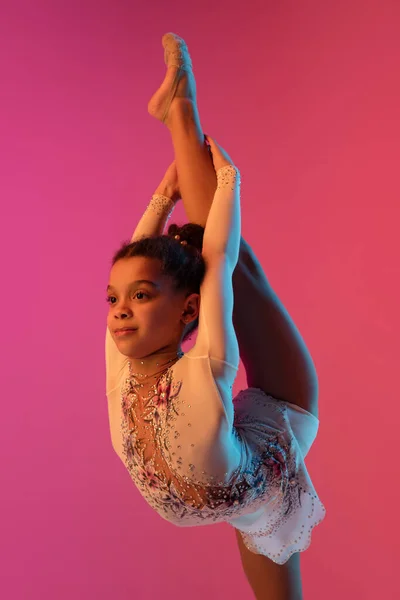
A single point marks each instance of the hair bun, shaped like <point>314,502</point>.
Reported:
<point>189,235</point>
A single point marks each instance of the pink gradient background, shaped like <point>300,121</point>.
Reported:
<point>305,96</point>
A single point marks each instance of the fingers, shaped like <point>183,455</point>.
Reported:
<point>169,185</point>
<point>212,143</point>
<point>172,172</point>
<point>220,157</point>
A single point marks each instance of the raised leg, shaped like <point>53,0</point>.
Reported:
<point>273,352</point>
<point>196,174</point>
<point>175,104</point>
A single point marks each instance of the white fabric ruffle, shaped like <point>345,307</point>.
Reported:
<point>282,525</point>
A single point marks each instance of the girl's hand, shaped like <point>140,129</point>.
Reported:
<point>219,156</point>
<point>169,185</point>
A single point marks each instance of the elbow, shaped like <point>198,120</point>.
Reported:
<point>221,256</point>
<point>226,251</point>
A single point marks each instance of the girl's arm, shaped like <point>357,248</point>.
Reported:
<point>216,336</point>
<point>152,222</point>
<point>222,230</point>
<point>160,207</point>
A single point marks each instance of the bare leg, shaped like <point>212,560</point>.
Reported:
<point>268,580</point>
<point>273,352</point>
<point>196,174</point>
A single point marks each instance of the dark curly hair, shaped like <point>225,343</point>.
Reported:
<point>184,263</point>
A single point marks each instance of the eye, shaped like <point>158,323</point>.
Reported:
<point>143,294</point>
<point>110,298</point>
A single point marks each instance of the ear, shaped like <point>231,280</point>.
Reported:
<point>191,308</point>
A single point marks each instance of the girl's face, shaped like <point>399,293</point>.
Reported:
<point>141,297</point>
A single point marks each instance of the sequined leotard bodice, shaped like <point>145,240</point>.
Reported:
<point>198,455</point>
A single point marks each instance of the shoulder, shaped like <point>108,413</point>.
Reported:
<point>208,379</point>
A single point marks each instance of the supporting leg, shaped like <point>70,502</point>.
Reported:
<point>268,580</point>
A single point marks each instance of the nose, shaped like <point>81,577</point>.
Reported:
<point>122,310</point>
<point>123,314</point>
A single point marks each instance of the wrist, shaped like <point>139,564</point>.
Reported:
<point>166,189</point>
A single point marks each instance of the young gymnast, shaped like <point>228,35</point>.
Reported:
<point>198,455</point>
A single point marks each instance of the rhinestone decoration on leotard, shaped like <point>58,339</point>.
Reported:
<point>177,497</point>
<point>299,538</point>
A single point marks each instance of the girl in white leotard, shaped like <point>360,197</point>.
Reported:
<point>196,454</point>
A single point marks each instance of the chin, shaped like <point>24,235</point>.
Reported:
<point>131,350</point>
<point>125,347</point>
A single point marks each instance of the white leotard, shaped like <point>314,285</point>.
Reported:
<point>196,454</point>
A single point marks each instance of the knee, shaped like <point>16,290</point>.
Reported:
<point>249,266</point>
<point>248,257</point>
<point>245,250</point>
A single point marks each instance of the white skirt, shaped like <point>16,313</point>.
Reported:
<point>282,525</point>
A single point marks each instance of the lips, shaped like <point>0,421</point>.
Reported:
<point>124,329</point>
<point>124,333</point>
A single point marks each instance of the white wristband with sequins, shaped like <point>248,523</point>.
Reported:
<point>228,176</point>
<point>161,205</point>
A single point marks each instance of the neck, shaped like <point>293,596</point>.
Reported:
<point>154,363</point>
